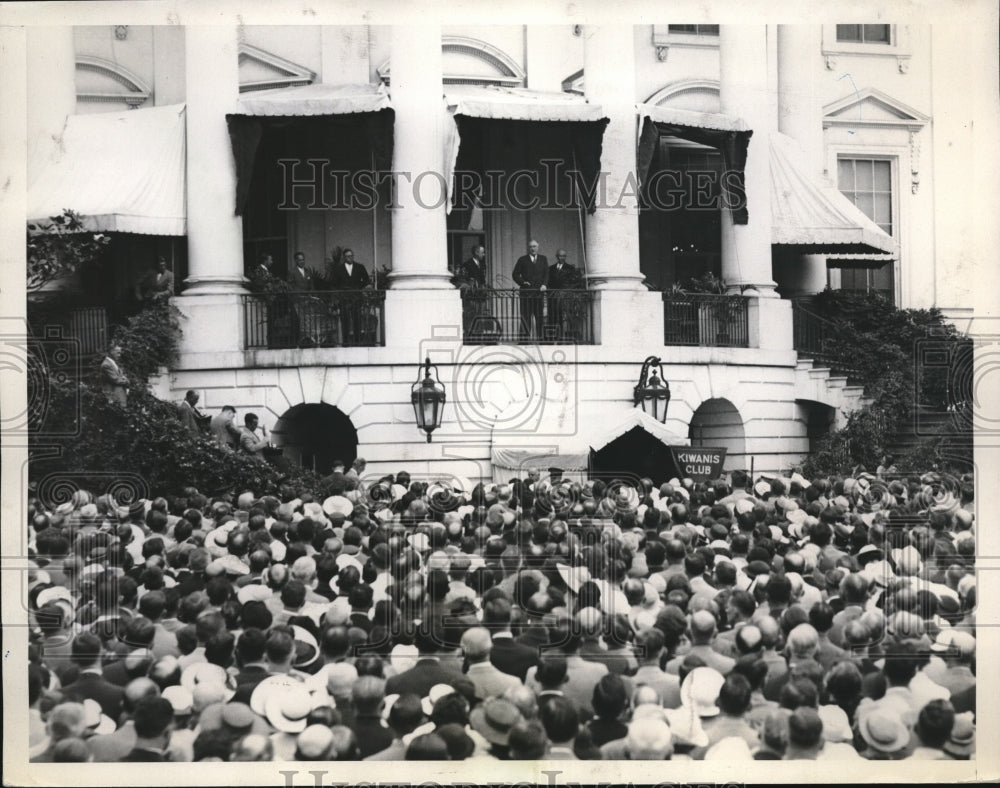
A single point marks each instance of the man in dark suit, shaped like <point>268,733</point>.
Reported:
<point>154,720</point>
<point>531,274</point>
<point>348,275</point>
<point>427,672</point>
<point>562,276</point>
<point>475,299</point>
<point>300,276</point>
<point>86,653</point>
<point>474,269</point>
<point>507,655</point>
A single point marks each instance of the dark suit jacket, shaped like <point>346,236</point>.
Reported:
<point>356,280</point>
<point>513,658</point>
<point>247,681</point>
<point>298,281</point>
<point>420,678</point>
<point>531,276</point>
<point>90,685</point>
<point>474,271</point>
<point>562,280</point>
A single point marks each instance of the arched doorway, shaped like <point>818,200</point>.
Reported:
<point>718,424</point>
<point>315,435</point>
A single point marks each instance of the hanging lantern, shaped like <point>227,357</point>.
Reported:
<point>428,399</point>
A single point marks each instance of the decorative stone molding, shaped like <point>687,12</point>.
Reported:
<point>506,71</point>
<point>663,39</point>
<point>265,70</point>
<point>135,93</point>
<point>914,161</point>
<point>898,47</point>
<point>708,88</point>
<point>121,32</point>
<point>873,108</point>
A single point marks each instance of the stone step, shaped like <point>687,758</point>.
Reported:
<point>819,373</point>
<point>836,382</point>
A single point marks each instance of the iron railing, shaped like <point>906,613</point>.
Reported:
<point>317,318</point>
<point>705,320</point>
<point>814,337</point>
<point>551,317</point>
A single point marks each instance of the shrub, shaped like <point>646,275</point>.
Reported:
<point>146,438</point>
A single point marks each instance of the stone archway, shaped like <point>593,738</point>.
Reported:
<point>717,423</point>
<point>315,435</point>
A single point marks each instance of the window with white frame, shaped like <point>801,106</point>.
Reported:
<point>694,30</point>
<point>864,34</point>
<point>867,182</point>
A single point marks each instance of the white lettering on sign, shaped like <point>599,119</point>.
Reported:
<point>699,458</point>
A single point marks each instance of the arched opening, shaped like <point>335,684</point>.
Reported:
<point>818,418</point>
<point>315,435</point>
<point>717,424</point>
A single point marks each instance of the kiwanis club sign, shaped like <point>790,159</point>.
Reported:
<point>700,464</point>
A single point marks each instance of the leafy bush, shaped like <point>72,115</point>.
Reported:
<point>58,248</point>
<point>146,438</point>
<point>149,341</point>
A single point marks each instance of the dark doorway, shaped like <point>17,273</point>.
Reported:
<point>637,454</point>
<point>315,435</point>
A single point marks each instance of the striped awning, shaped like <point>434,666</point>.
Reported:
<point>120,171</point>
<point>811,216</point>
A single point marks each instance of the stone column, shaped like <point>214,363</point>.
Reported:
<point>746,248</point>
<point>627,315</point>
<point>215,232</point>
<point>419,228</point>
<point>612,232</point>
<point>51,73</point>
<point>800,116</point>
<point>211,301</point>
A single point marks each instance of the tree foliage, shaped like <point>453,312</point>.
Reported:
<point>60,247</point>
<point>906,359</point>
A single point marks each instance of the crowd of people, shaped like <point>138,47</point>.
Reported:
<point>392,619</point>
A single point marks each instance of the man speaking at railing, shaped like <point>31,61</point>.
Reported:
<point>531,274</point>
<point>347,276</point>
<point>562,276</point>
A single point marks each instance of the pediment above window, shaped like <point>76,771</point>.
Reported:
<point>100,80</point>
<point>871,107</point>
<point>469,61</point>
<point>263,70</point>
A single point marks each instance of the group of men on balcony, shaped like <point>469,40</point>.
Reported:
<point>535,277</point>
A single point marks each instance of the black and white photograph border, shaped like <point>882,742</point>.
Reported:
<point>717,363</point>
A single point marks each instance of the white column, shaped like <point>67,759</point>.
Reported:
<point>612,231</point>
<point>215,232</point>
<point>421,303</point>
<point>51,75</point>
<point>800,116</point>
<point>419,229</point>
<point>746,248</point>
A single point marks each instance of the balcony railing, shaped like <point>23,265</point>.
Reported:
<point>552,317</point>
<point>705,320</point>
<point>814,337</point>
<point>316,318</point>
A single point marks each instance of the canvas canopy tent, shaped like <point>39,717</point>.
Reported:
<point>120,171</point>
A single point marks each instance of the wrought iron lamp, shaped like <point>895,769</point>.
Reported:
<point>428,399</point>
<point>652,392</point>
